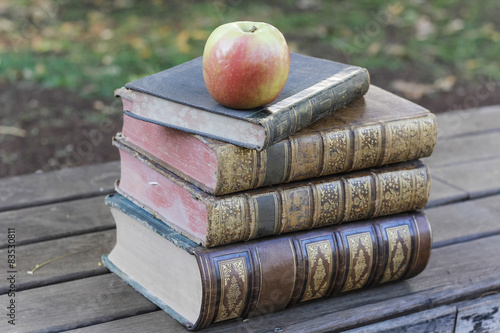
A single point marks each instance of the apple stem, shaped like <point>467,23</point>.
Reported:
<point>254,28</point>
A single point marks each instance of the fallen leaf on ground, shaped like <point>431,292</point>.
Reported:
<point>10,130</point>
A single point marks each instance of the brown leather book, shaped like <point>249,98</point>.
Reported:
<point>378,129</point>
<point>216,220</point>
<point>201,286</point>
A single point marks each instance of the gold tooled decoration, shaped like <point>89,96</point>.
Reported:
<point>368,146</point>
<point>360,247</point>
<point>429,135</point>
<point>389,193</point>
<point>237,169</point>
<point>319,269</point>
<point>306,151</point>
<point>297,210</point>
<point>422,188</point>
<point>359,197</point>
<point>330,200</point>
<point>399,239</point>
<point>337,146</point>
<point>227,221</point>
<point>233,279</point>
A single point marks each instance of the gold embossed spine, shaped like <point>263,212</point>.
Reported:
<point>329,152</point>
<point>238,169</point>
<point>297,208</point>
<point>337,151</point>
<point>306,156</point>
<point>390,192</point>
<point>429,134</point>
<point>228,221</point>
<point>399,246</point>
<point>329,203</point>
<point>320,259</point>
<point>368,146</point>
<point>361,256</point>
<point>359,197</point>
<point>234,288</point>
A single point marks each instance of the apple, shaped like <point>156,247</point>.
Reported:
<point>245,64</point>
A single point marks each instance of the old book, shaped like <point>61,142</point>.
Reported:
<point>201,286</point>
<point>377,129</point>
<point>178,98</point>
<point>217,220</point>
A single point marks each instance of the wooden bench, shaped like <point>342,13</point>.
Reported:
<point>60,215</point>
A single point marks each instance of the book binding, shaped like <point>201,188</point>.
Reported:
<point>258,277</point>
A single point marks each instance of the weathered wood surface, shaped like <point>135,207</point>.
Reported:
<point>62,213</point>
<point>446,280</point>
<point>468,122</point>
<point>438,320</point>
<point>482,315</point>
<point>76,257</point>
<point>464,221</point>
<point>443,193</point>
<point>56,220</point>
<point>56,186</point>
<point>77,303</point>
<point>466,160</point>
<point>476,178</point>
<point>479,315</point>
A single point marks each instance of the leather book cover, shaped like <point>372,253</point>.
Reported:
<point>217,220</point>
<point>253,278</point>
<point>377,129</point>
<point>315,87</point>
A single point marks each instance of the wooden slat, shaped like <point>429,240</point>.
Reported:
<point>468,122</point>
<point>478,179</point>
<point>478,315</point>
<point>465,149</point>
<point>153,322</point>
<point>55,186</point>
<point>75,304</point>
<point>81,257</point>
<point>56,220</point>
<point>438,320</point>
<point>442,193</point>
<point>482,315</point>
<point>464,221</point>
<point>466,161</point>
<point>454,272</point>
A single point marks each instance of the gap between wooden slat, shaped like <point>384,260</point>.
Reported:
<point>56,201</point>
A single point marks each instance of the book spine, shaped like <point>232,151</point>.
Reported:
<point>319,203</point>
<point>325,153</point>
<point>297,112</point>
<point>260,277</point>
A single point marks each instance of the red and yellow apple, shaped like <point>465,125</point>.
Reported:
<point>245,64</point>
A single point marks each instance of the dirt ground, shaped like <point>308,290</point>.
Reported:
<point>53,128</point>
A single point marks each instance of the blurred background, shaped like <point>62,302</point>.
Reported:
<point>60,60</point>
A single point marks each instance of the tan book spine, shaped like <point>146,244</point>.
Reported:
<point>311,155</point>
<point>320,202</point>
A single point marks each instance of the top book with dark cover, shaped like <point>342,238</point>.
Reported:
<point>178,98</point>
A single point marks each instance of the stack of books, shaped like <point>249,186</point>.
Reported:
<point>225,214</point>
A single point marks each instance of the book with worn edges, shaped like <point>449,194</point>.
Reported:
<point>199,287</point>
<point>178,98</point>
<point>377,129</point>
<point>217,220</point>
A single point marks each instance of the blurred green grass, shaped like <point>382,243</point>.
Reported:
<point>94,46</point>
